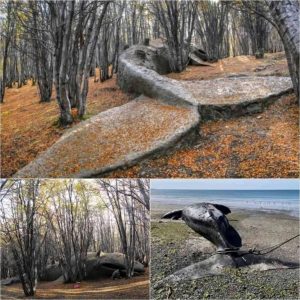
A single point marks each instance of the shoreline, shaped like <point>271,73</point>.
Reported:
<point>157,207</point>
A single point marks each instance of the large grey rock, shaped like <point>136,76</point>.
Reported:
<point>197,61</point>
<point>142,76</point>
<point>115,138</point>
<point>52,272</point>
<point>154,57</point>
<point>9,281</point>
<point>96,266</point>
<point>236,96</point>
<point>198,52</point>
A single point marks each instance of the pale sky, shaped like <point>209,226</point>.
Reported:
<point>226,184</point>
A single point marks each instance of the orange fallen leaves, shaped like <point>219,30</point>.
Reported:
<point>248,147</point>
<point>274,62</point>
<point>29,127</point>
<point>102,288</point>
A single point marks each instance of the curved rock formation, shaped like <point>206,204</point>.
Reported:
<point>224,98</point>
<point>216,98</point>
<point>140,70</point>
<point>96,266</point>
<point>122,136</point>
<point>116,138</point>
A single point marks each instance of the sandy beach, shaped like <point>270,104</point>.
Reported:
<point>174,246</point>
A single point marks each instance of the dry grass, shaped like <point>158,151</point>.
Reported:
<point>30,127</point>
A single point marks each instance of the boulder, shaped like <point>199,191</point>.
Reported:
<point>197,61</point>
<point>117,261</point>
<point>97,266</point>
<point>140,72</point>
<point>198,53</point>
<point>11,280</point>
<point>52,272</point>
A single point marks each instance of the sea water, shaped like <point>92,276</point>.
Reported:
<point>286,201</point>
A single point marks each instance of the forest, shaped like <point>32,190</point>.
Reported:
<point>61,62</point>
<point>63,42</point>
<point>72,231</point>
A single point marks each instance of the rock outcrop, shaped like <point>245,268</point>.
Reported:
<point>116,138</point>
<point>224,98</point>
<point>148,126</point>
<point>140,69</point>
<point>9,281</point>
<point>96,266</point>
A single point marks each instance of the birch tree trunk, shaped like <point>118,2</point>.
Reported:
<point>83,83</point>
<point>20,230</point>
<point>5,54</point>
<point>286,16</point>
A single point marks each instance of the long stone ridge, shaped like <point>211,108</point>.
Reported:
<point>167,111</point>
<point>118,137</point>
<point>236,96</point>
<point>216,98</point>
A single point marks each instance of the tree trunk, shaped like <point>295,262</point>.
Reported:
<point>84,76</point>
<point>5,56</point>
<point>286,16</point>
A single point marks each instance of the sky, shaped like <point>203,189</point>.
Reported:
<point>225,184</point>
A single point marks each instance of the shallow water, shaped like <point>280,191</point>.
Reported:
<point>286,201</point>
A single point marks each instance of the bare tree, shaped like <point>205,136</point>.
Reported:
<point>129,209</point>
<point>177,19</point>
<point>8,27</point>
<point>210,25</point>
<point>19,229</point>
<point>39,37</point>
<point>72,227</point>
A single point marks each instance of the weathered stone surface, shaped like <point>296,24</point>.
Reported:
<point>118,137</point>
<point>197,61</point>
<point>117,260</point>
<point>235,90</point>
<point>96,266</point>
<point>196,51</point>
<point>236,96</point>
<point>122,136</point>
<point>142,76</point>
<point>9,281</point>
<point>52,272</point>
<point>105,264</point>
<point>153,58</point>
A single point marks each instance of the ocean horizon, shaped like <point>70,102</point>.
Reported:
<point>286,201</point>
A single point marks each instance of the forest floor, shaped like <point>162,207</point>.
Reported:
<point>29,127</point>
<point>264,145</point>
<point>175,246</point>
<point>261,145</point>
<point>134,288</point>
